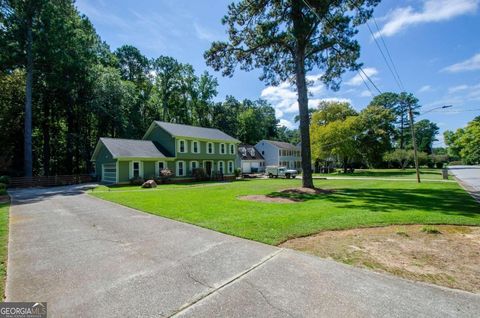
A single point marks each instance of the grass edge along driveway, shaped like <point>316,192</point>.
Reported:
<point>4,211</point>
<point>353,204</point>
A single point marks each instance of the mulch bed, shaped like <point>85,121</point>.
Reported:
<point>278,198</point>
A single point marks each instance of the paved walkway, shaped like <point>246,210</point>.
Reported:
<point>469,177</point>
<point>91,258</point>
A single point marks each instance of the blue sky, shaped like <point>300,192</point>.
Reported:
<point>434,44</point>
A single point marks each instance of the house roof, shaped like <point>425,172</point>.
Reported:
<point>132,148</point>
<point>283,145</point>
<point>248,153</point>
<point>180,130</point>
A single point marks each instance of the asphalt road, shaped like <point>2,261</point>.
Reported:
<point>469,177</point>
<point>91,258</point>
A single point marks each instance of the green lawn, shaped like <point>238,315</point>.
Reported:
<point>354,203</point>
<point>3,244</point>
<point>426,173</point>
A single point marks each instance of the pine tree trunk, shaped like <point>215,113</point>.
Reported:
<point>302,94</point>
<point>46,138</point>
<point>28,162</point>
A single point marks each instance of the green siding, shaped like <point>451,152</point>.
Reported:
<point>163,138</point>
<point>123,171</point>
<point>149,169</point>
<point>203,155</point>
<point>104,156</point>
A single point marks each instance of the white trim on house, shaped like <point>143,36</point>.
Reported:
<point>185,146</point>
<point>110,179</point>
<point>157,168</point>
<point>198,146</point>
<point>213,148</point>
<point>140,169</point>
<point>177,168</point>
<point>197,165</point>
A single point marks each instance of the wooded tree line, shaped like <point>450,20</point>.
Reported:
<point>464,143</point>
<point>377,136</point>
<point>81,91</point>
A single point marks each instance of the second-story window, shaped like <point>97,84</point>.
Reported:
<point>222,149</point>
<point>195,147</point>
<point>182,146</point>
<point>232,149</point>
<point>210,148</point>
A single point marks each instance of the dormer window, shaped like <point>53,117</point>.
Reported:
<point>243,150</point>
<point>182,146</point>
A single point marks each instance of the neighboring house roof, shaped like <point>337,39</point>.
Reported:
<point>180,130</point>
<point>130,148</point>
<point>283,145</point>
<point>248,152</point>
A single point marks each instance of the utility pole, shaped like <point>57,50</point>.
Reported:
<point>414,141</point>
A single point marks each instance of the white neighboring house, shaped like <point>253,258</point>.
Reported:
<point>278,153</point>
<point>249,159</point>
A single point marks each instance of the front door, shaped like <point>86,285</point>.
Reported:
<point>208,168</point>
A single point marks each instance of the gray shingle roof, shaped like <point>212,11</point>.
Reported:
<point>179,130</point>
<point>247,155</point>
<point>132,148</point>
<point>283,145</point>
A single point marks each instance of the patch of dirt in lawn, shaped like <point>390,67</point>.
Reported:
<point>265,198</point>
<point>292,195</point>
<point>450,258</point>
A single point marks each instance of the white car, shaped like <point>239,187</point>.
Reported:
<point>282,172</point>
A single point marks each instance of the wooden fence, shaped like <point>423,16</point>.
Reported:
<point>49,181</point>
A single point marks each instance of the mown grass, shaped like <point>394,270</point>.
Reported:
<point>3,244</point>
<point>425,173</point>
<point>353,203</point>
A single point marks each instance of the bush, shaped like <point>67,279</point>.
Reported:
<point>455,163</point>
<point>165,175</point>
<point>237,172</point>
<point>5,179</point>
<point>137,181</point>
<point>3,188</point>
<point>199,174</point>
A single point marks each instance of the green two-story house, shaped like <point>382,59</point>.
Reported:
<point>180,148</point>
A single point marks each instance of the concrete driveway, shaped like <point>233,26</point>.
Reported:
<point>91,258</point>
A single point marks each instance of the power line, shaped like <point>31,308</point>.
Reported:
<point>360,68</point>
<point>388,52</point>
<point>385,58</point>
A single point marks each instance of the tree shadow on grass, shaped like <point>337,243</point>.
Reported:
<point>447,201</point>
<point>385,174</point>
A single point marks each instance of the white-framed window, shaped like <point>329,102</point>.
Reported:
<point>182,146</point>
<point>195,146</point>
<point>159,166</point>
<point>221,167</point>
<point>193,165</point>
<point>180,168</point>
<point>230,167</point>
<point>223,150</point>
<point>136,169</point>
<point>210,149</point>
<point>232,149</point>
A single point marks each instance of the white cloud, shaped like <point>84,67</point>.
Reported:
<point>431,11</point>
<point>286,123</point>
<point>456,89</point>
<point>366,93</point>
<point>425,88</point>
<point>284,97</point>
<point>472,64</point>
<point>357,79</point>
<point>203,33</point>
